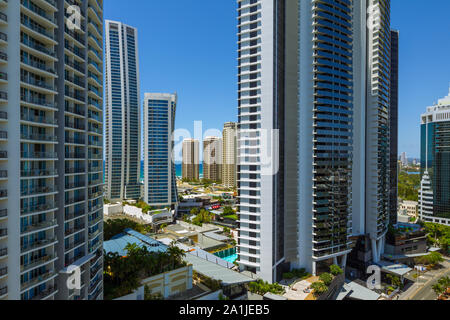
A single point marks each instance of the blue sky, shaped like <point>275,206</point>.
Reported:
<point>189,47</point>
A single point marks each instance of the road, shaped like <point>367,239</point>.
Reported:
<point>423,289</point>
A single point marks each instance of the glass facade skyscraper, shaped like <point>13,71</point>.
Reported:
<point>434,196</point>
<point>122,165</point>
<point>160,186</point>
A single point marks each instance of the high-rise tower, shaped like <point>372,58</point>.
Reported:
<point>229,154</point>
<point>160,186</point>
<point>122,165</point>
<point>191,162</point>
<point>212,158</point>
<point>51,97</point>
<point>314,80</point>
<point>434,195</point>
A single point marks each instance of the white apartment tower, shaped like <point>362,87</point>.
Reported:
<point>122,94</point>
<point>160,185</point>
<point>229,154</point>
<point>51,117</point>
<point>308,93</point>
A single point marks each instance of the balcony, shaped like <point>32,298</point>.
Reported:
<point>95,194</point>
<point>38,102</point>
<point>39,226</point>
<point>41,278</point>
<point>95,221</point>
<point>75,185</point>
<point>39,155</point>
<point>37,245</point>
<point>3,175</point>
<point>74,215</point>
<point>74,170</point>
<point>3,155</point>
<point>3,291</point>
<point>3,252</point>
<point>37,209</point>
<point>75,155</point>
<point>41,138</point>
<point>37,262</point>
<point>37,83</point>
<point>33,191</point>
<point>75,66</point>
<point>39,120</point>
<point>75,244</point>
<point>75,36</point>
<point>38,66</point>
<point>3,135</point>
<point>75,125</point>
<point>77,82</point>
<point>34,173</point>
<point>3,194</point>
<point>3,271</point>
<point>38,11</point>
<point>75,50</point>
<point>75,110</point>
<point>79,141</point>
<point>3,233</point>
<point>39,48</point>
<point>47,292</point>
<point>72,231</point>
<point>71,201</point>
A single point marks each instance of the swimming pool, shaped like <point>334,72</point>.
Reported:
<point>231,259</point>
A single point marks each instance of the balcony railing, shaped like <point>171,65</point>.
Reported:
<point>37,190</point>
<point>40,278</point>
<point>50,290</point>
<point>37,208</point>
<point>38,11</point>
<point>37,101</point>
<point>38,226</point>
<point>39,155</point>
<point>36,262</point>
<point>33,118</point>
<point>38,173</point>
<point>38,137</point>
<point>37,244</point>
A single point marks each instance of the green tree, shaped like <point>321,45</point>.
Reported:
<point>319,288</point>
<point>327,278</point>
<point>336,270</point>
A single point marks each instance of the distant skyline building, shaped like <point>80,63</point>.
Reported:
<point>393,123</point>
<point>434,195</point>
<point>191,161</point>
<point>404,159</point>
<point>212,158</point>
<point>51,138</point>
<point>160,186</point>
<point>229,154</point>
<point>313,141</point>
<point>122,94</point>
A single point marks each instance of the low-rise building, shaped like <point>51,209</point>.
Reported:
<point>406,239</point>
<point>411,208</point>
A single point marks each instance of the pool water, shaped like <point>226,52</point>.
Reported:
<point>231,259</point>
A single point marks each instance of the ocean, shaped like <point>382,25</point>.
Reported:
<point>178,169</point>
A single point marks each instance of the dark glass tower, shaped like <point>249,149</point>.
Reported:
<point>393,119</point>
